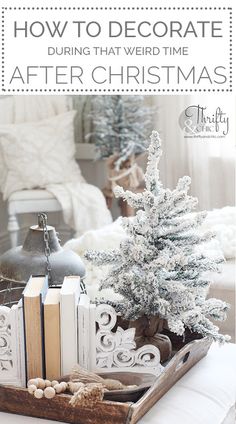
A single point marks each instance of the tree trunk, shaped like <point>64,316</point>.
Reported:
<point>148,331</point>
<point>129,176</point>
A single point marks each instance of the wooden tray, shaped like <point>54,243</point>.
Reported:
<point>18,401</point>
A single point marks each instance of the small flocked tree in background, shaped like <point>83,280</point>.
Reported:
<point>158,270</point>
<point>120,125</point>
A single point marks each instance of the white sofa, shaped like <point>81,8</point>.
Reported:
<point>223,287</point>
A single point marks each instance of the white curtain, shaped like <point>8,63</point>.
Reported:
<point>212,162</point>
<point>209,162</point>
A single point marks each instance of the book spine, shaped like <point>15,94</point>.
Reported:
<point>24,331</point>
<point>42,298</point>
<point>69,342</point>
<point>17,345</point>
<point>21,344</point>
<point>86,336</point>
<point>92,337</point>
<point>52,341</point>
<point>80,336</point>
<point>34,331</point>
<point>83,335</point>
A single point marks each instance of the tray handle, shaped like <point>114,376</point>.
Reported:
<point>182,361</point>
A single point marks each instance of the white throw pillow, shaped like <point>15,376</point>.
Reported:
<point>36,154</point>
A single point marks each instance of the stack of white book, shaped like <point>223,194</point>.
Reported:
<point>58,338</point>
<point>50,330</point>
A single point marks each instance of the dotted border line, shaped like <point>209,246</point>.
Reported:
<point>115,90</point>
<point>3,47</point>
<point>115,8</point>
<point>231,49</point>
<point>138,90</point>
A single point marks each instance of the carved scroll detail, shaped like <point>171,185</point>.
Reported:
<point>117,348</point>
<point>6,363</point>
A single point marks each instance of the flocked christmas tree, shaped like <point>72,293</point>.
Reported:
<point>119,123</point>
<point>158,269</point>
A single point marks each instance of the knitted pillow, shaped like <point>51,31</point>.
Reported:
<point>36,154</point>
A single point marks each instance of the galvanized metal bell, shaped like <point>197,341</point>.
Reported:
<point>40,255</point>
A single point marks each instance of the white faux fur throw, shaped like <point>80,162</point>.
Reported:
<point>83,205</point>
<point>223,223</point>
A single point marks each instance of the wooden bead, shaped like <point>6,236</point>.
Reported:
<point>48,383</point>
<point>58,388</point>
<point>31,389</point>
<point>33,381</point>
<point>41,383</point>
<point>38,394</point>
<point>49,392</point>
<point>54,382</point>
<point>64,385</point>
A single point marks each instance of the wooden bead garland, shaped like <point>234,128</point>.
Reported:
<point>86,387</point>
<point>40,388</point>
<point>85,394</point>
